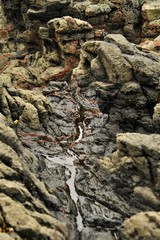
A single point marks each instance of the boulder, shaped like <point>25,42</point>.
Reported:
<point>90,234</point>
<point>70,33</point>
<point>156,116</point>
<point>143,225</point>
<point>136,159</point>
<point>26,107</point>
<point>21,219</point>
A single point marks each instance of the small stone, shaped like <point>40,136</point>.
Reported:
<point>136,179</point>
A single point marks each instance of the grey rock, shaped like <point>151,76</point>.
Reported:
<point>121,77</point>
<point>96,214</point>
<point>90,234</point>
<point>128,81</point>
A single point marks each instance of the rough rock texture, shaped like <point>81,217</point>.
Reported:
<point>126,80</point>
<point>70,33</point>
<point>23,196</point>
<point>142,226</point>
<point>62,173</point>
<point>151,17</point>
<point>28,107</point>
<point>135,19</point>
<point>135,172</point>
<point>140,154</point>
<point>113,16</point>
<point>153,45</point>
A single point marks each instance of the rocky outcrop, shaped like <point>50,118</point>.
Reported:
<point>29,108</point>
<point>128,82</point>
<point>134,19</point>
<point>114,16</point>
<point>139,151</point>
<point>70,34</point>
<point>62,174</point>
<point>23,197</point>
<point>135,175</point>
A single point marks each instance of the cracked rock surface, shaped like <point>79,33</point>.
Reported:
<point>79,120</point>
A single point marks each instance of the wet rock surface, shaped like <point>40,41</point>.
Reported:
<point>79,120</point>
<point>24,199</point>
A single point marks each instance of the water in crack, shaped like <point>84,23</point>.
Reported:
<point>68,161</point>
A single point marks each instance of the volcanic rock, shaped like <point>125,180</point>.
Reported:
<point>128,80</point>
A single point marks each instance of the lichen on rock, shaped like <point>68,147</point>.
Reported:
<point>79,120</point>
<point>142,226</point>
<point>20,208</point>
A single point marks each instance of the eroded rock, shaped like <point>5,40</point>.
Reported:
<point>67,123</point>
<point>128,79</point>
<point>150,13</point>
<point>143,225</point>
<point>136,160</point>
<point>20,208</point>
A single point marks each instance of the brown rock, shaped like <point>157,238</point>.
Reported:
<point>144,225</point>
<point>150,10</point>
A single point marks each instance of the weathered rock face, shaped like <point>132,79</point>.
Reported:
<point>24,198</point>
<point>153,45</point>
<point>142,226</point>
<point>70,29</point>
<point>135,19</point>
<point>70,33</point>
<point>80,185</point>
<point>135,174</point>
<point>139,154</point>
<point>20,12</point>
<point>113,16</point>
<point>151,17</point>
<point>27,31</point>
<point>128,82</point>
<point>28,107</point>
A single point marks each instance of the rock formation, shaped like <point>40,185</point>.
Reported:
<point>79,120</point>
<point>150,14</point>
<point>24,199</point>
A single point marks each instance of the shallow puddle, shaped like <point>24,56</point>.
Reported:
<point>70,170</point>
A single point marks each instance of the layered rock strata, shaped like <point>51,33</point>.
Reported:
<point>151,17</point>
<point>128,82</point>
<point>24,199</point>
<point>114,178</point>
<point>134,19</point>
<point>137,160</point>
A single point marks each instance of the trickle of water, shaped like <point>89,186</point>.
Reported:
<point>68,162</point>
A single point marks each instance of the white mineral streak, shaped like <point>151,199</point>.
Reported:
<point>80,135</point>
